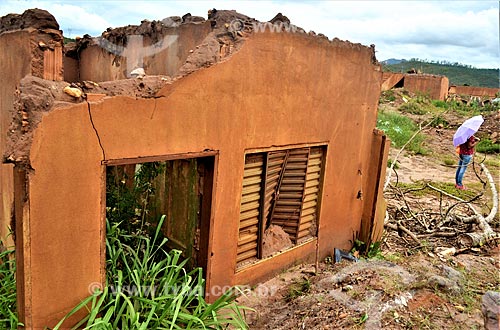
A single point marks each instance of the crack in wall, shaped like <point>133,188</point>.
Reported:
<point>95,130</point>
<point>156,102</point>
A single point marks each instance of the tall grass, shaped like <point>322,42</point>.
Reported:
<point>148,288</point>
<point>400,129</point>
<point>8,314</point>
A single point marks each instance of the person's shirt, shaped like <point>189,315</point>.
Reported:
<point>467,148</point>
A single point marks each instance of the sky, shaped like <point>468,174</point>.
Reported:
<point>467,32</point>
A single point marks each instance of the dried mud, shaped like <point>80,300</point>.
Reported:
<point>31,18</point>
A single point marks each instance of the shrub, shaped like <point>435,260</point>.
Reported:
<point>422,98</point>
<point>463,109</point>
<point>441,121</point>
<point>387,96</point>
<point>488,147</point>
<point>440,104</point>
<point>413,107</point>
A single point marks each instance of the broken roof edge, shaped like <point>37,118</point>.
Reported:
<point>229,31</point>
<point>36,97</point>
<point>235,33</point>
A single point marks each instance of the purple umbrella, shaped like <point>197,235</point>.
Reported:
<point>467,129</point>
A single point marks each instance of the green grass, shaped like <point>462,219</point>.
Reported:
<point>439,120</point>
<point>298,288</point>
<point>465,110</point>
<point>413,108</point>
<point>440,104</point>
<point>387,96</point>
<point>419,189</point>
<point>389,163</point>
<point>8,311</point>
<point>487,147</point>
<point>449,161</point>
<point>148,288</point>
<point>400,129</point>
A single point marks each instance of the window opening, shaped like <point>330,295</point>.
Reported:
<point>138,195</point>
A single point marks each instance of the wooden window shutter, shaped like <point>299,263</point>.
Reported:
<point>249,237</point>
<point>287,189</point>
<point>308,217</point>
<point>279,188</point>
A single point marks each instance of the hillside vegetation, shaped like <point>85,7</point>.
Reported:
<point>458,74</point>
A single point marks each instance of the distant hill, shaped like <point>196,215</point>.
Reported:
<point>458,74</point>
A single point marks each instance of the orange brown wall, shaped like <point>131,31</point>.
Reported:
<point>278,90</point>
<point>14,67</point>
<point>390,79</point>
<point>98,64</point>
<point>20,55</point>
<point>474,91</point>
<point>435,86</point>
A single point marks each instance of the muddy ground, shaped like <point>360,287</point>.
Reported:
<point>405,284</point>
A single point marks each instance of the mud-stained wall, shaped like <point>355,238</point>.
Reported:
<point>435,86</point>
<point>28,51</point>
<point>14,67</point>
<point>270,93</point>
<point>158,57</point>
<point>372,222</point>
<point>474,91</point>
<point>390,80</point>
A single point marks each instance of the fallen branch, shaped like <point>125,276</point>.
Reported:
<point>438,234</point>
<point>475,239</point>
<point>494,209</point>
<point>446,224</point>
<point>400,227</point>
<point>461,201</point>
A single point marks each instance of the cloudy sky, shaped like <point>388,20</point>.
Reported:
<point>466,32</point>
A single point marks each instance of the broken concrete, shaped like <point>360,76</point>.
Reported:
<point>437,87</point>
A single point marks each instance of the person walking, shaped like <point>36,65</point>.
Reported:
<point>466,152</point>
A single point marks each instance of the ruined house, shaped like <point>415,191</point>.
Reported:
<point>435,86</point>
<point>275,128</point>
<point>485,92</point>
